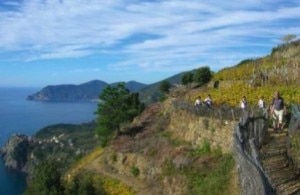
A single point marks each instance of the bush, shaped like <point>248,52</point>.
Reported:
<point>46,179</point>
<point>211,180</point>
<point>134,171</point>
<point>165,86</point>
<point>187,78</point>
<point>203,150</point>
<point>202,75</point>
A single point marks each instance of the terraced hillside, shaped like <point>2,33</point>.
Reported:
<point>259,77</point>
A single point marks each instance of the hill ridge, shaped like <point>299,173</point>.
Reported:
<point>88,91</point>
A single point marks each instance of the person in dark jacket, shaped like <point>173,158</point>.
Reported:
<point>277,110</point>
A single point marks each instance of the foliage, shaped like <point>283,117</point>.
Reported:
<point>134,171</point>
<point>211,180</point>
<point>232,94</point>
<point>83,185</point>
<point>205,149</point>
<point>114,187</point>
<point>202,75</point>
<point>279,69</point>
<point>187,78</point>
<point>162,97</point>
<point>165,86</point>
<point>65,142</point>
<point>93,183</point>
<point>101,184</point>
<point>46,179</point>
<point>117,106</point>
<point>210,174</point>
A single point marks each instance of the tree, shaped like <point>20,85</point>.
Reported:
<point>46,179</point>
<point>165,86</point>
<point>117,105</point>
<point>83,184</point>
<point>187,78</point>
<point>202,75</point>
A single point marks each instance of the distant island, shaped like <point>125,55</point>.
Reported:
<point>88,91</point>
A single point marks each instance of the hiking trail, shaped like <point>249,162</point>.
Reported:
<point>283,178</point>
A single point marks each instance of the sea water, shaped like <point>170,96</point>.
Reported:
<point>18,115</point>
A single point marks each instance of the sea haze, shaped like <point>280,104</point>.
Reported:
<point>18,115</point>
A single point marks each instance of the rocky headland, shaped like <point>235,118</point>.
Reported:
<point>62,142</point>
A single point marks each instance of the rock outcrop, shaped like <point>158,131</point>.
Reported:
<point>15,152</point>
<point>61,142</point>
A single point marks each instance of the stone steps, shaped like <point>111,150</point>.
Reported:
<point>276,165</point>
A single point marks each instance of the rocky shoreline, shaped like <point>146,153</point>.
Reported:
<point>62,142</point>
<point>16,152</point>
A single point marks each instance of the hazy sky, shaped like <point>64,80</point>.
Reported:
<point>46,42</point>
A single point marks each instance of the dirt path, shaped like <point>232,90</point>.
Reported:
<point>275,161</point>
<point>140,187</point>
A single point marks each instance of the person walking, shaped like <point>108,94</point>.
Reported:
<point>261,103</point>
<point>277,110</point>
<point>244,103</point>
<point>198,103</point>
<point>208,101</point>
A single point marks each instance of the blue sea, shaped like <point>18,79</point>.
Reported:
<point>18,115</point>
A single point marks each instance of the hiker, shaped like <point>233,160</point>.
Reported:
<point>261,102</point>
<point>244,103</point>
<point>198,103</point>
<point>208,101</point>
<point>277,110</point>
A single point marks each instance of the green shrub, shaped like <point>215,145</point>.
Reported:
<point>114,157</point>
<point>211,180</point>
<point>134,171</point>
<point>203,150</point>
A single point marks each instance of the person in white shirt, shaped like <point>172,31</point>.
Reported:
<point>261,103</point>
<point>244,103</point>
<point>198,102</point>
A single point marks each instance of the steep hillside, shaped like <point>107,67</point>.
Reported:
<point>167,150</point>
<point>259,77</point>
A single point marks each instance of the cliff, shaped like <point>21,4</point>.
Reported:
<point>64,143</point>
<point>15,153</point>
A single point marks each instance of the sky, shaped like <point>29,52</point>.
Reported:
<point>50,42</point>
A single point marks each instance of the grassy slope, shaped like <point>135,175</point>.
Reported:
<point>260,77</point>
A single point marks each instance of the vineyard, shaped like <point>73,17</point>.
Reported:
<point>254,78</point>
<point>233,94</point>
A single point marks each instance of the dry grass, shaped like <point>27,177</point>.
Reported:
<point>81,164</point>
